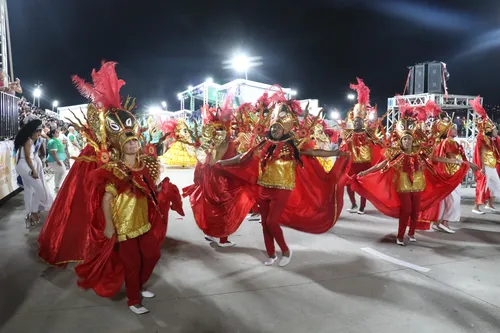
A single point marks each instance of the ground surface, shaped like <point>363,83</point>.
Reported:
<point>337,282</point>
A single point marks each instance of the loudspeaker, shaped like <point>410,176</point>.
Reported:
<point>435,78</point>
<point>419,79</point>
<point>411,83</point>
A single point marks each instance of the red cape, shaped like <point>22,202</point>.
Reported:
<point>219,203</point>
<point>379,189</point>
<point>317,199</point>
<point>63,236</point>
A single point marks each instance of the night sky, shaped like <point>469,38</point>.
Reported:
<point>315,47</point>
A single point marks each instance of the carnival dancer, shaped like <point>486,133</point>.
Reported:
<point>486,156</point>
<point>219,202</point>
<point>290,189</point>
<point>37,196</point>
<point>361,142</point>
<point>181,153</point>
<point>122,202</point>
<point>407,182</point>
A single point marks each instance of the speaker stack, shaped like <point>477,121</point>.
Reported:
<point>427,78</point>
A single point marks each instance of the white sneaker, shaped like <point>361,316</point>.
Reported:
<point>400,242</point>
<point>445,228</point>
<point>138,309</point>
<point>490,208</point>
<point>147,294</point>
<point>210,238</point>
<point>412,239</point>
<point>286,260</point>
<point>475,211</point>
<point>270,261</point>
<point>353,209</point>
<point>361,212</point>
<point>227,244</point>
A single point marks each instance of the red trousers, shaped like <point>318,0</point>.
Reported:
<point>139,257</point>
<point>354,170</point>
<point>272,203</point>
<point>410,207</point>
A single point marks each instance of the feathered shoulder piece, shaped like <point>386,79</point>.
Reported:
<point>362,90</point>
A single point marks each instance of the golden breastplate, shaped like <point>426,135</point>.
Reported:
<point>129,213</point>
<point>451,168</point>
<point>489,158</point>
<point>361,154</point>
<point>405,185</point>
<point>279,173</point>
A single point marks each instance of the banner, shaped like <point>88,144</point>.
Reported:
<point>8,175</point>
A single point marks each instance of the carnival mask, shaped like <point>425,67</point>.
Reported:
<point>121,126</point>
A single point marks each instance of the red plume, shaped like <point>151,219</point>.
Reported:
<point>278,96</point>
<point>420,113</point>
<point>432,109</point>
<point>295,106</point>
<point>363,92</point>
<point>476,105</point>
<point>264,100</point>
<point>404,108</point>
<point>105,88</point>
<point>168,126</point>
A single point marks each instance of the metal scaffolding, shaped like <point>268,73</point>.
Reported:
<point>447,103</point>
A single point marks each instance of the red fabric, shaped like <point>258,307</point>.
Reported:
<point>102,269</point>
<point>482,194</point>
<point>379,189</point>
<point>410,206</point>
<point>354,170</point>
<point>272,202</point>
<point>313,206</point>
<point>219,203</point>
<point>139,257</point>
<point>63,237</point>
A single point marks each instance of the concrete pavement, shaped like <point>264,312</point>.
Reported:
<point>334,284</point>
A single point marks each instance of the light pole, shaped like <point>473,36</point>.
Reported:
<point>55,104</point>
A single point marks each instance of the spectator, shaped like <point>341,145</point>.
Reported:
<point>56,158</point>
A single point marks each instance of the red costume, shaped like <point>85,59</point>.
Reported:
<point>74,230</point>
<point>364,146</point>
<point>408,183</point>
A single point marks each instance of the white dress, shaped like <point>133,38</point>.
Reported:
<point>37,196</point>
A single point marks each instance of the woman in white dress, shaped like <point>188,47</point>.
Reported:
<point>37,196</point>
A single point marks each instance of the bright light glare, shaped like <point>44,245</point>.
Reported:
<point>55,104</point>
<point>190,87</point>
<point>351,97</point>
<point>164,104</point>
<point>371,116</point>
<point>37,93</point>
<point>209,80</point>
<point>179,96</point>
<point>154,109</point>
<point>293,92</point>
<point>241,63</point>
<point>335,115</point>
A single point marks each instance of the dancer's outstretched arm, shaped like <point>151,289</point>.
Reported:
<point>374,168</point>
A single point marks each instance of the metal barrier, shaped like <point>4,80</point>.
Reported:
<point>9,115</point>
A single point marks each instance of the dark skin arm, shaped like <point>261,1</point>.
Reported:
<point>231,161</point>
<point>471,165</point>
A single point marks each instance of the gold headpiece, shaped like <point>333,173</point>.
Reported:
<point>443,124</point>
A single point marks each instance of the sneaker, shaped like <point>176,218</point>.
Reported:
<point>210,239</point>
<point>400,242</point>
<point>361,211</point>
<point>138,309</point>
<point>147,294</point>
<point>271,260</point>
<point>412,238</point>
<point>354,209</point>
<point>226,244</point>
<point>286,260</point>
<point>475,211</point>
<point>445,229</point>
<point>488,207</point>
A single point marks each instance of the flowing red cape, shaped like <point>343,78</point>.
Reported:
<point>317,199</point>
<point>102,269</point>
<point>379,189</point>
<point>220,203</point>
<point>63,237</point>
